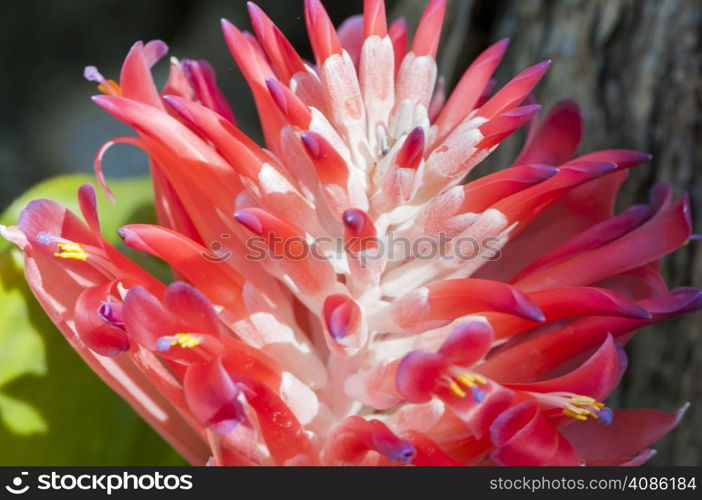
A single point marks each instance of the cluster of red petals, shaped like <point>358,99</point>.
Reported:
<point>364,358</point>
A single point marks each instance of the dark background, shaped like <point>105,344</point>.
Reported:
<point>634,66</point>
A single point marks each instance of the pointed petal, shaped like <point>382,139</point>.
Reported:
<point>486,191</point>
<point>595,237</point>
<point>548,351</point>
<point>204,82</point>
<point>285,60</point>
<point>321,31</point>
<point>597,377</point>
<point>465,96</point>
<point>558,136</point>
<point>450,299</point>
<point>426,39</point>
<point>663,233</point>
<point>561,303</point>
<point>515,91</point>
<point>295,111</point>
<point>630,432</point>
<point>374,19</point>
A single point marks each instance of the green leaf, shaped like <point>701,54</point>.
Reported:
<point>53,409</point>
<point>20,417</point>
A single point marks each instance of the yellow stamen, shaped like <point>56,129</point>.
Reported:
<point>572,414</point>
<point>111,88</point>
<point>471,379</point>
<point>456,389</point>
<point>582,407</point>
<point>185,340</point>
<point>71,251</point>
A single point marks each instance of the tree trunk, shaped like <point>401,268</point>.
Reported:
<point>635,68</point>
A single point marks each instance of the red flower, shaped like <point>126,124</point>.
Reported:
<point>368,306</point>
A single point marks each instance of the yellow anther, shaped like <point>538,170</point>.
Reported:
<point>456,389</point>
<point>578,416</point>
<point>185,340</point>
<point>584,400</point>
<point>582,407</point>
<point>471,379</point>
<point>110,88</point>
<point>71,251</point>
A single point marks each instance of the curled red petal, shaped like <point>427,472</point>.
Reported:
<point>135,79</point>
<point>427,452</point>
<point>468,343</point>
<point>418,374</point>
<point>103,338</point>
<point>192,307</point>
<point>155,327</point>
<point>346,329</point>
<point>213,397</point>
<point>355,436</point>
<point>523,436</point>
<point>478,414</point>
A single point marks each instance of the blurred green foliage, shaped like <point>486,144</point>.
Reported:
<point>53,409</point>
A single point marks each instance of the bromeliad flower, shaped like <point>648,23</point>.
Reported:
<point>493,337</point>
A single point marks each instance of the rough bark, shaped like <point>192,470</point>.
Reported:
<point>635,68</point>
